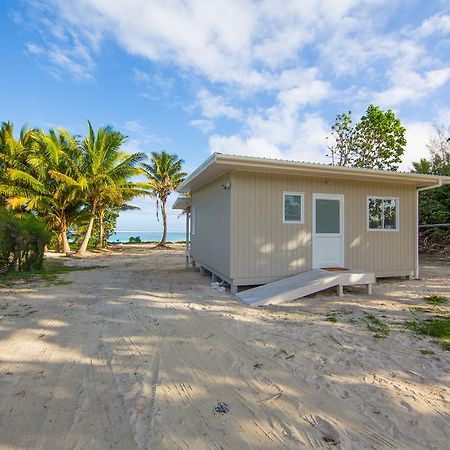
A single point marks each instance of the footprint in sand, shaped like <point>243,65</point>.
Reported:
<point>329,433</point>
<point>406,405</point>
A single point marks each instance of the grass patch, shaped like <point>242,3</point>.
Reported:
<point>378,327</point>
<point>331,318</point>
<point>438,328</point>
<point>436,299</point>
<point>48,273</point>
<point>63,282</point>
<point>427,352</point>
<point>422,309</point>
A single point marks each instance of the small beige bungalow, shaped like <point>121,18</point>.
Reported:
<point>251,221</point>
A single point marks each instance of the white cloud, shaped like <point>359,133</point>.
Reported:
<point>153,85</point>
<point>310,144</point>
<point>417,137</point>
<point>238,41</point>
<point>443,116</point>
<point>438,24</point>
<point>213,106</point>
<point>408,85</point>
<point>141,139</point>
<point>134,126</point>
<point>268,65</point>
<point>74,59</point>
<point>34,49</point>
<point>283,137</point>
<point>308,90</point>
<point>236,145</point>
<point>250,44</point>
<point>203,124</point>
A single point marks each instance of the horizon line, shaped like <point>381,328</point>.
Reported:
<point>145,231</point>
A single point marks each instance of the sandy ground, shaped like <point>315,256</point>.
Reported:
<point>139,353</point>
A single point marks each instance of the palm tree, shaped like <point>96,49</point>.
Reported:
<point>13,162</point>
<point>114,199</point>
<point>41,184</point>
<point>104,169</point>
<point>164,175</point>
<point>60,163</point>
<point>65,180</point>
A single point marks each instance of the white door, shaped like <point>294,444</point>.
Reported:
<point>328,231</point>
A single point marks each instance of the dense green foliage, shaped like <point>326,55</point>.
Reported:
<point>164,175</point>
<point>70,182</point>
<point>377,141</point>
<point>435,204</point>
<point>22,241</point>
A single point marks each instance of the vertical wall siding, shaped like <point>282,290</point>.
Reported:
<point>211,243</point>
<point>264,247</point>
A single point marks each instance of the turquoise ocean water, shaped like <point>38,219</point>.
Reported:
<point>123,236</point>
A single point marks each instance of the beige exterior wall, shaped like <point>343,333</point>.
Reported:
<point>211,244</point>
<point>263,248</point>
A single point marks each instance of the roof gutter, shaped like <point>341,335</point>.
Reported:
<point>425,188</point>
<point>433,186</point>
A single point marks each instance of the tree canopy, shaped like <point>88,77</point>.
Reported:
<point>435,204</point>
<point>377,141</point>
<point>68,181</point>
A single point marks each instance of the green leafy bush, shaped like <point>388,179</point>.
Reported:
<point>22,241</point>
<point>134,240</point>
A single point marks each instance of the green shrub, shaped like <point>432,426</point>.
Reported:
<point>134,240</point>
<point>22,241</point>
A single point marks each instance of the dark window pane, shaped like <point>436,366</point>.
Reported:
<point>390,214</point>
<point>327,216</point>
<point>292,208</point>
<point>375,213</point>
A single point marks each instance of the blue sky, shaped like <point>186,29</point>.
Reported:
<point>263,78</point>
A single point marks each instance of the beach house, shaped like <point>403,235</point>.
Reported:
<point>250,221</point>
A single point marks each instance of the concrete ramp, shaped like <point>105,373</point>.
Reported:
<point>306,283</point>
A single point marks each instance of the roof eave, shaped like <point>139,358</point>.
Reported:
<point>185,185</point>
<point>243,163</point>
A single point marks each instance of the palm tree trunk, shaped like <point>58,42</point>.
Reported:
<point>66,246</point>
<point>63,241</point>
<point>83,247</point>
<point>101,239</point>
<point>164,214</point>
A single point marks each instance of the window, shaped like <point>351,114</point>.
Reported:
<point>382,213</point>
<point>193,220</point>
<point>328,216</point>
<point>293,207</point>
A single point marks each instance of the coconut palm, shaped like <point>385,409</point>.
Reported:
<point>104,169</point>
<point>60,165</point>
<point>65,180</point>
<point>164,175</point>
<point>13,163</point>
<point>41,185</point>
<point>115,198</point>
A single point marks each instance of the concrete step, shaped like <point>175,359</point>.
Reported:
<point>306,283</point>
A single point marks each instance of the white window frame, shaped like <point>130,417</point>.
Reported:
<point>193,220</point>
<point>302,207</point>
<point>397,213</point>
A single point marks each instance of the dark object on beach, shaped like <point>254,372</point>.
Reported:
<point>221,408</point>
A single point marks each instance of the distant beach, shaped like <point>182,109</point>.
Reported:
<point>147,236</point>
